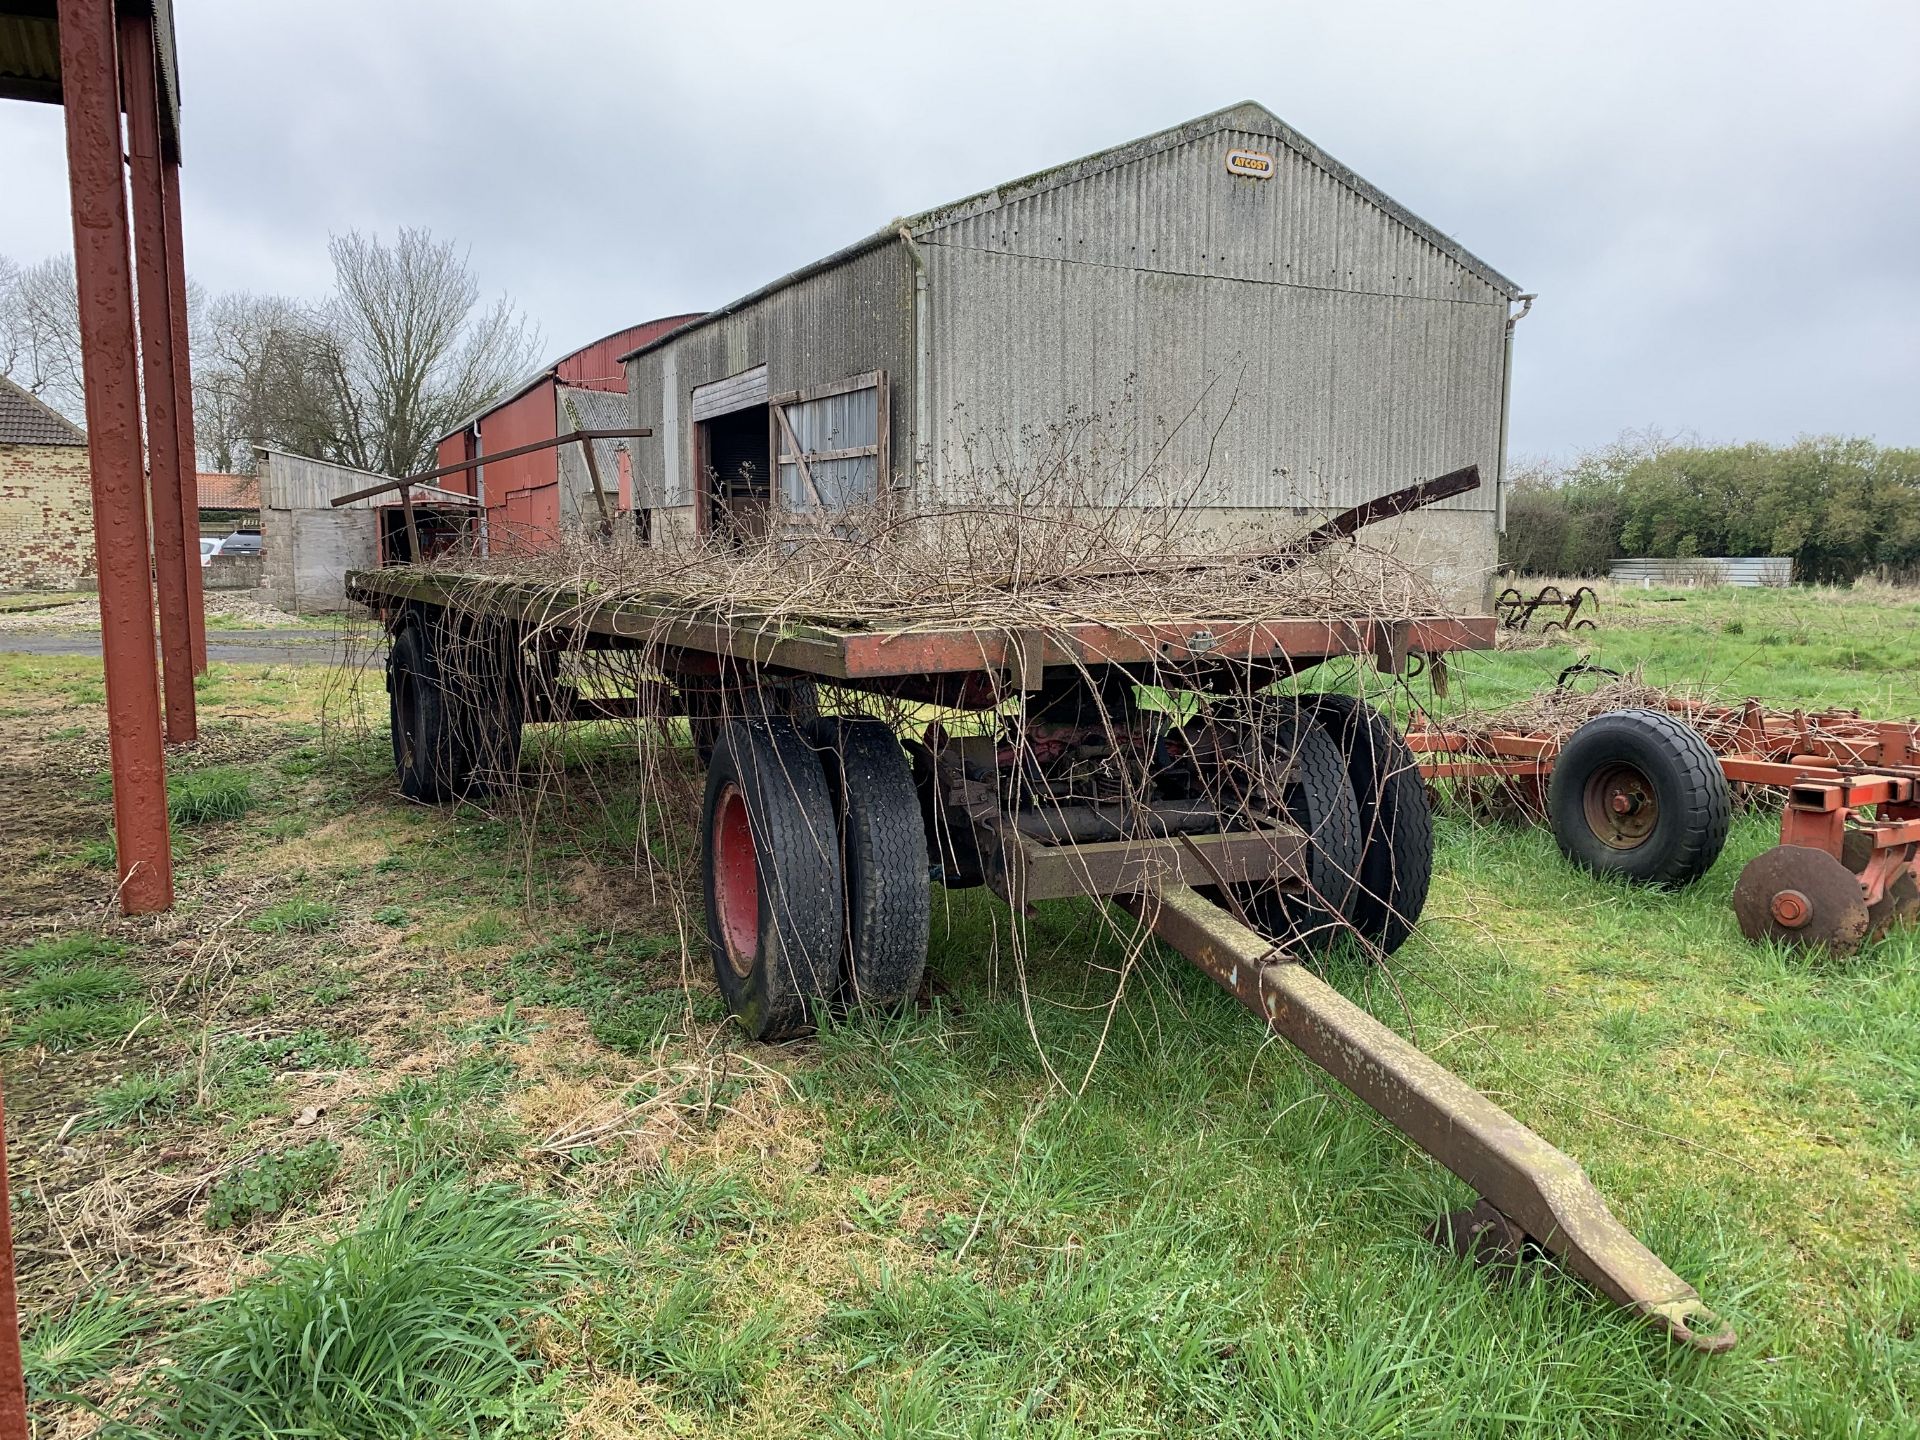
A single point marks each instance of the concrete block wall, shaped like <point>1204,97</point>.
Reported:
<point>46,517</point>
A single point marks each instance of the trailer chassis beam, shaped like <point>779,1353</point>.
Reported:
<point>1532,1186</point>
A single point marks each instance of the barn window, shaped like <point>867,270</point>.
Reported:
<point>829,444</point>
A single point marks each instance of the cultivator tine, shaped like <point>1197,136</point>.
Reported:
<point>1526,1186</point>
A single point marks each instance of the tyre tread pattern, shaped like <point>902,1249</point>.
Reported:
<point>797,860</point>
<point>1688,841</point>
<point>883,848</point>
<point>1396,822</point>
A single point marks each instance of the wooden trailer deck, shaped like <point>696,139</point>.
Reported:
<point>848,649</point>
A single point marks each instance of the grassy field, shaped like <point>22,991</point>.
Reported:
<point>413,1122</point>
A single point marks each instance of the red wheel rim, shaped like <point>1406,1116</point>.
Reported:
<point>736,881</point>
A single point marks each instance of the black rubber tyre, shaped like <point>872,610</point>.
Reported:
<point>710,701</point>
<point>485,682</point>
<point>428,758</point>
<point>883,859</point>
<point>1635,793</point>
<point>770,862</point>
<point>1318,798</point>
<point>1396,822</point>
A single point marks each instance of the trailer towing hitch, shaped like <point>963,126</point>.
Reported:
<point>1529,1190</point>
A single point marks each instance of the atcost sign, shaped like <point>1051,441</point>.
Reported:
<point>1250,162</point>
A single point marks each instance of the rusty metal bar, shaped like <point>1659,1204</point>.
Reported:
<point>1384,507</point>
<point>104,275</point>
<point>643,433</point>
<point>171,536</point>
<point>1540,1188</point>
<point>183,406</point>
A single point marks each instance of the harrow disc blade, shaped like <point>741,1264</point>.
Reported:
<point>1801,896</point>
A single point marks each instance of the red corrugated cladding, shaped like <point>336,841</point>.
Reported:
<point>523,494</point>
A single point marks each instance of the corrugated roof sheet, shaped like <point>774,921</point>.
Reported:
<point>1247,116</point>
<point>27,421</point>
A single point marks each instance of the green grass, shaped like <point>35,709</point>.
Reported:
<point>137,1100</point>
<point>1035,1207</point>
<point>300,916</point>
<point>81,1342</point>
<point>60,952</point>
<point>418,1323</point>
<point>195,797</point>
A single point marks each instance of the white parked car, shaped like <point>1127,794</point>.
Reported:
<point>209,547</point>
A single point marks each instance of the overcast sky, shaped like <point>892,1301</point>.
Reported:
<point>1719,205</point>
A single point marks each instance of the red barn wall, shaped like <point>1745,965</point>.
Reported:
<point>523,493</point>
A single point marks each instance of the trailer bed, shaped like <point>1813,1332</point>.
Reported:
<point>849,649</point>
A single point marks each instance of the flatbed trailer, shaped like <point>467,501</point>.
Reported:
<point>794,923</point>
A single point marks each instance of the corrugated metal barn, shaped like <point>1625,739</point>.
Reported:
<point>530,498</point>
<point>1221,304</point>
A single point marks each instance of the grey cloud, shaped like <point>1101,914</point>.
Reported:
<point>1715,203</point>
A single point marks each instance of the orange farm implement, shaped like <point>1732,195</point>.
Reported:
<point>1647,793</point>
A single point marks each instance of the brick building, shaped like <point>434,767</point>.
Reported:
<point>46,499</point>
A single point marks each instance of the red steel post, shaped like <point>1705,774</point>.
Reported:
<point>170,534</point>
<point>90,93</point>
<point>13,1380</point>
<point>183,408</point>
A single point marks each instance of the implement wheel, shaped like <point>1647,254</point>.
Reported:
<point>429,759</point>
<point>770,860</point>
<point>883,859</point>
<point>1635,793</point>
<point>1396,822</point>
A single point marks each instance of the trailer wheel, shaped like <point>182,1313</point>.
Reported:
<point>485,683</point>
<point>428,758</point>
<point>771,866</point>
<point>1396,820</point>
<point>1635,793</point>
<point>709,702</point>
<point>883,858</point>
<point>1318,797</point>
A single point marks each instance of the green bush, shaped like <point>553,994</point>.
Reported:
<point>1839,507</point>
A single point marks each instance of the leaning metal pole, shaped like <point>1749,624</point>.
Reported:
<point>1538,1188</point>
<point>104,274</point>
<point>172,537</point>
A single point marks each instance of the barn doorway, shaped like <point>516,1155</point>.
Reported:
<point>738,472</point>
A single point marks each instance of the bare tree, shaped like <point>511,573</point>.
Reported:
<point>40,332</point>
<point>410,353</point>
<point>263,374</point>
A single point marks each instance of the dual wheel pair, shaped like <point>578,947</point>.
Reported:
<point>814,863</point>
<point>1352,785</point>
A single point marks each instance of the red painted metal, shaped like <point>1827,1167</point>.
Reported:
<point>522,493</point>
<point>183,404</point>
<point>171,534</point>
<point>597,366</point>
<point>13,1382</point>
<point>104,272</point>
<point>736,880</point>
